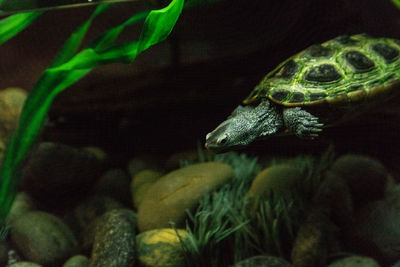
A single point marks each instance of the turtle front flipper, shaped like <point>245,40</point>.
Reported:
<point>301,123</point>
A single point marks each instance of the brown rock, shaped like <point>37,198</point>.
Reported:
<point>57,170</point>
<point>4,247</point>
<point>318,234</point>
<point>376,232</point>
<point>366,177</point>
<point>115,184</point>
<point>86,237</point>
<point>334,197</point>
<point>168,198</point>
<point>90,209</point>
<point>310,247</point>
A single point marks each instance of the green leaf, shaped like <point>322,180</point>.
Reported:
<point>12,25</point>
<point>67,68</point>
<point>72,44</point>
<point>108,38</point>
<point>159,24</point>
<point>397,3</point>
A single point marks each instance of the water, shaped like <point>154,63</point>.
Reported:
<point>17,6</point>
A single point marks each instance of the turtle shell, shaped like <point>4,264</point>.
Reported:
<point>346,69</point>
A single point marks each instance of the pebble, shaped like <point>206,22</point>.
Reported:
<point>13,257</point>
<point>168,198</point>
<point>3,252</point>
<point>334,198</point>
<point>397,264</point>
<point>114,241</point>
<point>115,184</point>
<point>392,194</point>
<point>277,180</point>
<point>174,161</point>
<point>161,247</point>
<point>355,261</point>
<point>318,234</point>
<point>88,210</point>
<point>11,102</point>
<point>86,237</point>
<point>310,246</point>
<point>24,264</point>
<point>263,261</point>
<point>141,163</point>
<point>365,176</point>
<point>23,203</point>
<point>99,153</point>
<point>43,238</point>
<point>57,170</point>
<point>77,261</point>
<point>141,182</point>
<point>376,232</point>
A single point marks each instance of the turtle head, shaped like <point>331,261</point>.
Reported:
<point>245,125</point>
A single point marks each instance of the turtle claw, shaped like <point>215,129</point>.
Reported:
<point>302,123</point>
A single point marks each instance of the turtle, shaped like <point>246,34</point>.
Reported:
<point>320,86</point>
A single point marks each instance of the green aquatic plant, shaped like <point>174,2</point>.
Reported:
<point>396,2</point>
<point>12,25</point>
<point>68,67</point>
<point>225,229</point>
<point>213,224</point>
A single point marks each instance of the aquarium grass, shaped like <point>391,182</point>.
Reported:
<point>228,227</point>
<point>68,67</point>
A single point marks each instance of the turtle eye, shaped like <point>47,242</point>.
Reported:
<point>222,141</point>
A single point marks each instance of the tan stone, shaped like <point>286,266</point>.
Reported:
<point>141,182</point>
<point>168,198</point>
<point>277,180</point>
<point>11,103</point>
<point>161,247</point>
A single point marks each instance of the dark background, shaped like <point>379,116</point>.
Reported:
<point>177,91</point>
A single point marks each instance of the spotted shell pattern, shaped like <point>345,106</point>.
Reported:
<point>342,70</point>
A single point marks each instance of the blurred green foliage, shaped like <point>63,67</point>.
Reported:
<point>68,67</point>
<point>12,25</point>
<point>396,2</point>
